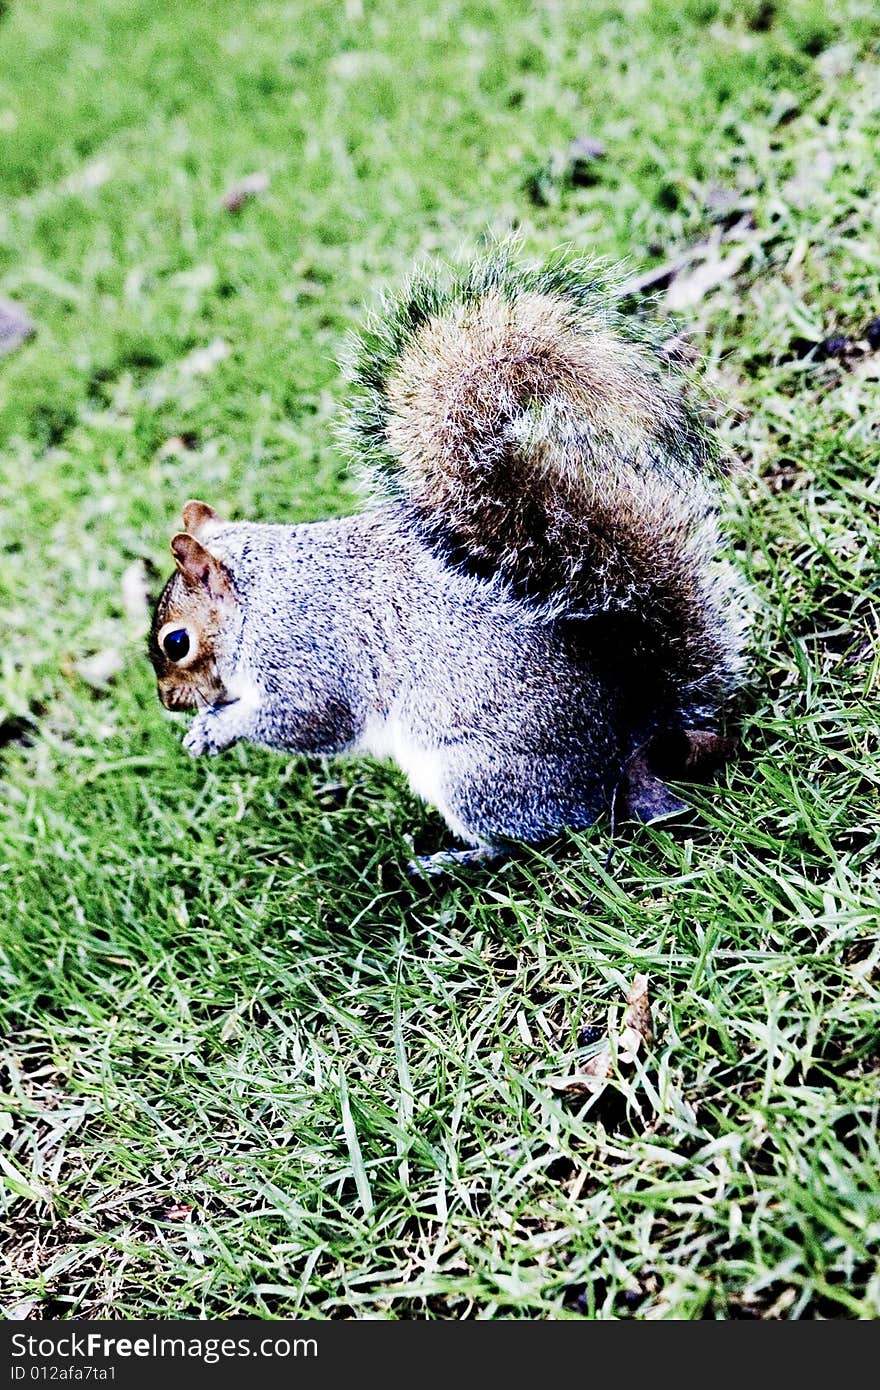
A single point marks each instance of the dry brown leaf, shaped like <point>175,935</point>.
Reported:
<point>637,1029</point>
<point>689,289</point>
<point>657,278</point>
<point>178,1211</point>
<point>242,192</point>
<point>638,1011</point>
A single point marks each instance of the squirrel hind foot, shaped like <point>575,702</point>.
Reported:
<point>644,796</point>
<point>680,755</point>
<point>430,868</point>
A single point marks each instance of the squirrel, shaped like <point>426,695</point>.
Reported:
<point>532,616</point>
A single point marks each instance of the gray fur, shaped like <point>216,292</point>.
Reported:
<point>331,655</point>
<point>537,599</point>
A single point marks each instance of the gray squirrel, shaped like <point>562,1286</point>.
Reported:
<point>532,617</point>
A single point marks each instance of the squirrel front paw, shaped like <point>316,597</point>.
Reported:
<point>209,733</point>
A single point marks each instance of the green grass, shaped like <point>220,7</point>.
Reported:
<point>217,990</point>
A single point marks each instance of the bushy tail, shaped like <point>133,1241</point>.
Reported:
<point>540,436</point>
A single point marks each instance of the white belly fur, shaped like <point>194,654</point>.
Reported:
<point>423,766</point>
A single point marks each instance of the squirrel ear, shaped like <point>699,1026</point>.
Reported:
<point>195,514</point>
<point>199,566</point>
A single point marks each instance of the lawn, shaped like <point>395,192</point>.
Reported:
<point>248,1067</point>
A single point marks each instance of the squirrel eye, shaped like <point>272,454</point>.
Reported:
<point>175,644</point>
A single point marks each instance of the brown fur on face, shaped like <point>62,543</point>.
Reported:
<point>196,599</point>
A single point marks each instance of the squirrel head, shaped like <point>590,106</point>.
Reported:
<point>193,618</point>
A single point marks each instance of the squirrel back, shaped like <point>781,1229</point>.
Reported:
<point>539,436</point>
